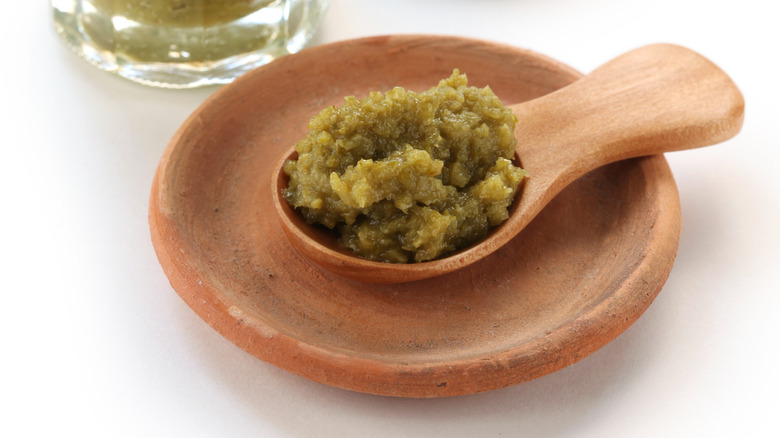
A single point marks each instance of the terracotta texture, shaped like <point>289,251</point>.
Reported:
<point>575,278</point>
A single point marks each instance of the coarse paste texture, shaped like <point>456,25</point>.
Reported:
<point>405,176</point>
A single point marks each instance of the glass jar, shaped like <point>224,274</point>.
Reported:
<point>185,43</point>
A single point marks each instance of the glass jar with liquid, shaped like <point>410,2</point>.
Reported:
<point>185,43</point>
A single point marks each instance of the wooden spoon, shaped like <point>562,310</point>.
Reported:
<point>655,99</point>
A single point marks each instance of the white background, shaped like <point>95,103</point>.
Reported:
<point>95,342</point>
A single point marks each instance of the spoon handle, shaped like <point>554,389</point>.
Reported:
<point>655,99</point>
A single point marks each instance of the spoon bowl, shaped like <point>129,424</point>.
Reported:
<point>655,99</point>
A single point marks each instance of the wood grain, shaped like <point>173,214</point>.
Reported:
<point>655,99</point>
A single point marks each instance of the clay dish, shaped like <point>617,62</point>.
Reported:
<point>654,99</point>
<point>577,276</point>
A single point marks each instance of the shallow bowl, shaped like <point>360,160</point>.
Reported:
<point>581,273</point>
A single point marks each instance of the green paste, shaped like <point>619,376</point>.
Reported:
<point>404,176</point>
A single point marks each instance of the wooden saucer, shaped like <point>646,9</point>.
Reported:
<point>583,271</point>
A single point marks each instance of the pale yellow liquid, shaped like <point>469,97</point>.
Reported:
<point>185,43</point>
<point>181,13</point>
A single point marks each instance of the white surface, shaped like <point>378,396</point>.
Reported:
<point>96,342</point>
